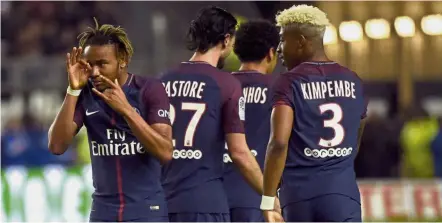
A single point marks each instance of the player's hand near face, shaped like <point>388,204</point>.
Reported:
<point>77,68</point>
<point>114,96</point>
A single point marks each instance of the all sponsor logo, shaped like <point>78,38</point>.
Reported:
<point>187,154</point>
<point>326,153</point>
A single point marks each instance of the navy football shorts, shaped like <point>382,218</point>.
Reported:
<point>331,207</point>
<point>199,217</point>
<point>246,215</point>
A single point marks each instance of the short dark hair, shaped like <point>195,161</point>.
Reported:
<point>209,28</point>
<point>254,39</point>
<point>108,34</point>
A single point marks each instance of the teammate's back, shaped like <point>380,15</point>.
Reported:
<point>199,95</point>
<point>328,102</point>
<point>255,46</point>
<point>207,110</point>
<point>257,94</point>
<point>316,125</point>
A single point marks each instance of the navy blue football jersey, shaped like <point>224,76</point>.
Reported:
<point>125,177</point>
<point>206,104</point>
<point>328,104</point>
<point>256,89</point>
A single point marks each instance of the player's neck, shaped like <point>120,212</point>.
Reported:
<point>319,56</point>
<point>253,66</point>
<point>123,78</point>
<point>211,57</point>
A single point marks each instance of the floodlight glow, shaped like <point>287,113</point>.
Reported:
<point>404,26</point>
<point>432,24</point>
<point>330,35</point>
<point>351,31</point>
<point>377,29</point>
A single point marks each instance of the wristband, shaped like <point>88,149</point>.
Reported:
<point>73,92</point>
<point>267,203</point>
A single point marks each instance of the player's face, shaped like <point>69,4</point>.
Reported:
<point>227,50</point>
<point>290,48</point>
<point>103,60</point>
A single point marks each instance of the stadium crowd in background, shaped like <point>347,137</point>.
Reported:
<point>47,28</point>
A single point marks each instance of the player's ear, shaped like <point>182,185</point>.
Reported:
<point>227,40</point>
<point>302,41</point>
<point>122,64</point>
<point>271,55</point>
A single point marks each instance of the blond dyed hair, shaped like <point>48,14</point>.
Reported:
<point>309,19</point>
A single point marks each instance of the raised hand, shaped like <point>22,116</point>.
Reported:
<point>114,96</point>
<point>78,70</point>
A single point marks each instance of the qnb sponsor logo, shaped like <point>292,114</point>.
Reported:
<point>227,159</point>
<point>163,113</point>
<point>331,152</point>
<point>187,154</point>
<point>117,145</point>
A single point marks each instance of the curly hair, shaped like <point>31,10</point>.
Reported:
<point>108,34</point>
<point>254,39</point>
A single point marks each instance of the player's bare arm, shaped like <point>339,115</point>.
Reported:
<point>157,139</point>
<point>244,160</point>
<point>281,126</point>
<point>63,129</point>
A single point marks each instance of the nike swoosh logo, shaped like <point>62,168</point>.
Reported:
<point>90,113</point>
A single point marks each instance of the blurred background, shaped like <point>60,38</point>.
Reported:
<point>395,47</point>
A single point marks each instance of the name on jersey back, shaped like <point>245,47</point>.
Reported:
<point>328,89</point>
<point>192,89</point>
<point>255,95</point>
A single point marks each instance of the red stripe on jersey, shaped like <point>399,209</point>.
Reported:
<point>113,121</point>
<point>120,191</point>
<point>119,179</point>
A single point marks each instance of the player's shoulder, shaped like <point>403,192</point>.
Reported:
<point>253,77</point>
<point>329,67</point>
<point>288,76</point>
<point>227,80</point>
<point>141,82</point>
<point>341,68</point>
<point>191,67</point>
<point>224,79</point>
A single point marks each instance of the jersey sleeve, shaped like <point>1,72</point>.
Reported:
<point>79,112</point>
<point>282,92</point>
<point>233,109</point>
<point>156,103</point>
<point>364,113</point>
<point>365,98</point>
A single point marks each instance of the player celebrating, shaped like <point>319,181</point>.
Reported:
<point>128,129</point>
<point>318,107</point>
<point>255,45</point>
<point>206,111</point>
